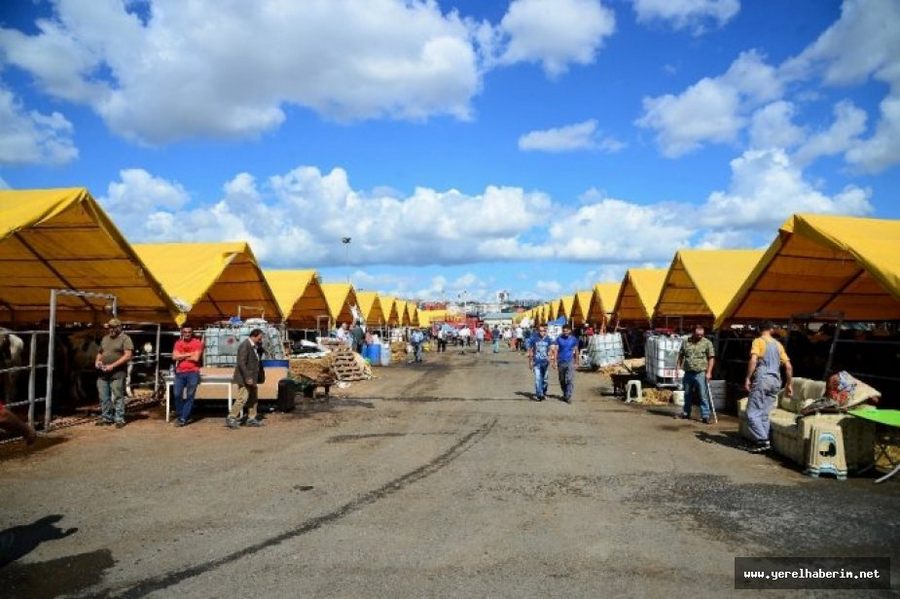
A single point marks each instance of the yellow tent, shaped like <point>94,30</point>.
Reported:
<point>824,263</point>
<point>414,315</point>
<point>427,317</point>
<point>584,304</point>
<point>700,283</point>
<point>571,307</point>
<point>370,306</point>
<point>603,299</point>
<point>552,310</point>
<point>300,297</point>
<point>403,313</point>
<point>62,239</point>
<point>638,295</point>
<point>390,309</point>
<point>217,280</point>
<point>340,298</point>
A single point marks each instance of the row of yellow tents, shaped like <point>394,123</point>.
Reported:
<point>815,264</point>
<point>62,239</point>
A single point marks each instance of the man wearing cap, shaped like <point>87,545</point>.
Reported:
<point>697,356</point>
<point>116,349</point>
<point>763,381</point>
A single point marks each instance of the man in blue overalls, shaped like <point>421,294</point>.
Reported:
<point>763,382</point>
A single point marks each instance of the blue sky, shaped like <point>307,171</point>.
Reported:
<point>536,146</point>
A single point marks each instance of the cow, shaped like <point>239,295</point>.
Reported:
<point>12,349</point>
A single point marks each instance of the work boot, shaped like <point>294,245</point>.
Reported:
<point>253,422</point>
<point>760,447</point>
<point>705,420</point>
<point>232,423</point>
<point>103,422</point>
<point>120,425</point>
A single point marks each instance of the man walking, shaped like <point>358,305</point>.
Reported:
<point>539,361</point>
<point>697,356</point>
<point>116,349</point>
<point>186,354</point>
<point>479,337</point>
<point>566,359</point>
<point>358,336</point>
<point>248,374</point>
<point>495,339</point>
<point>763,382</point>
<point>417,339</point>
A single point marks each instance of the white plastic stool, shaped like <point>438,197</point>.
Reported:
<point>633,391</point>
<point>826,452</point>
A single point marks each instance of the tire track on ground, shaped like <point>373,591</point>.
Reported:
<point>398,484</point>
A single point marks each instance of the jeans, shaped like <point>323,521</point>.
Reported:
<point>691,381</point>
<point>496,346</point>
<point>417,351</point>
<point>478,343</point>
<point>185,385</point>
<point>540,378</point>
<point>111,387</point>
<point>566,377</point>
<point>763,391</point>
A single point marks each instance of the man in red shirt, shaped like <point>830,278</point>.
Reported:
<point>186,355</point>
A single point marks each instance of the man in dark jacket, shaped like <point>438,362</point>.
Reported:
<point>248,374</point>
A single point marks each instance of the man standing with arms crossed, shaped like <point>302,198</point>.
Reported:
<point>186,354</point>
<point>539,361</point>
<point>248,374</point>
<point>566,359</point>
<point>697,356</point>
<point>763,382</point>
<point>116,349</point>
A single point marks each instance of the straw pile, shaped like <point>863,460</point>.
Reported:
<point>318,370</point>
<point>657,396</point>
<point>398,351</point>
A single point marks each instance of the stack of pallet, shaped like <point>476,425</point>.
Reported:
<point>348,365</point>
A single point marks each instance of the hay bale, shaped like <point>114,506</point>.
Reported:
<point>318,370</point>
<point>657,396</point>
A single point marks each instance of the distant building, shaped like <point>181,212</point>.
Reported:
<point>500,319</point>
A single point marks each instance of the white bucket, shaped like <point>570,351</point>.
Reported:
<point>678,397</point>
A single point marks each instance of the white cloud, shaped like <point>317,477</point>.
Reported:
<point>772,126</point>
<point>767,187</point>
<point>549,288</point>
<point>863,43</point>
<point>31,137</point>
<point>207,69</point>
<point>713,109</point>
<point>554,33</point>
<point>4,184</point>
<point>687,14</point>
<point>849,123</point>
<point>580,136</point>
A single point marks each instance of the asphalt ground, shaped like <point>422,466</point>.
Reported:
<point>441,479</point>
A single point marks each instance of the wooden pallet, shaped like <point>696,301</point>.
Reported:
<point>345,366</point>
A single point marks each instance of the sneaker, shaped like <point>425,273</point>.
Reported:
<point>253,422</point>
<point>682,416</point>
<point>120,425</point>
<point>103,422</point>
<point>180,422</point>
<point>567,399</point>
<point>705,420</point>
<point>538,398</point>
<point>232,423</point>
<point>761,447</point>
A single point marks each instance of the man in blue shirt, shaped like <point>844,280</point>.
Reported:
<point>539,361</point>
<point>566,359</point>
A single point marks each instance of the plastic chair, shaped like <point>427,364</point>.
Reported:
<point>633,391</point>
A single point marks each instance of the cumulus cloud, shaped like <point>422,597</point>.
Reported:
<point>31,137</point>
<point>687,14</point>
<point>772,126</point>
<point>849,123</point>
<point>580,136</point>
<point>712,110</point>
<point>554,33</point>
<point>207,69</point>
<point>863,43</point>
<point>766,187</point>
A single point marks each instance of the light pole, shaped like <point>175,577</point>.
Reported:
<point>346,242</point>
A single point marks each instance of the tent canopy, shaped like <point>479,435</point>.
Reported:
<point>217,280</point>
<point>824,263</point>
<point>700,283</point>
<point>571,309</point>
<point>584,304</point>
<point>638,295</point>
<point>403,312</point>
<point>370,306</point>
<point>603,300</point>
<point>299,295</point>
<point>62,239</point>
<point>390,309</point>
<point>427,317</point>
<point>340,297</point>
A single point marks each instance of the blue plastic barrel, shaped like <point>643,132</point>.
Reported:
<point>275,363</point>
<point>374,356</point>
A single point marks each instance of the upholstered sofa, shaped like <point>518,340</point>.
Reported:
<point>790,432</point>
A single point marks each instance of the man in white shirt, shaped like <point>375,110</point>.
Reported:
<point>479,337</point>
